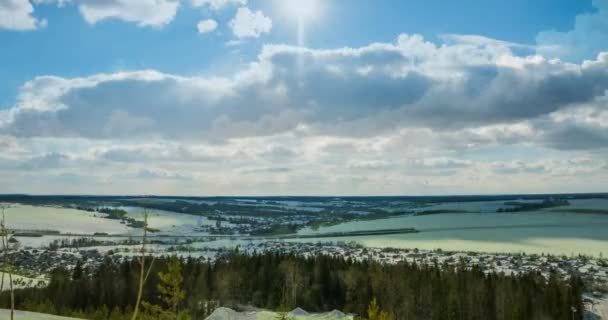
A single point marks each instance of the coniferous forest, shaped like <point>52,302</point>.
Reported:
<point>321,283</point>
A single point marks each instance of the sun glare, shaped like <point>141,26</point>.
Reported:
<point>302,10</point>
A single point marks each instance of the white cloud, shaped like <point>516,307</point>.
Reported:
<point>410,116</point>
<point>585,41</point>
<point>59,3</point>
<point>478,40</point>
<point>247,23</point>
<point>205,26</point>
<point>156,13</point>
<point>218,4</point>
<point>17,15</point>
<point>409,84</point>
<point>161,174</point>
<point>311,166</point>
<point>514,167</point>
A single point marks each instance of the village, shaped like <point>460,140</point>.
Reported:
<point>35,264</point>
<point>593,270</point>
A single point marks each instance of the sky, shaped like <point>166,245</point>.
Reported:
<point>303,97</point>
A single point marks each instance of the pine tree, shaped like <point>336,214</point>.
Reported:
<point>171,285</point>
<point>375,313</point>
<point>171,294</point>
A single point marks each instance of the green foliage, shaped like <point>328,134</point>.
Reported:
<point>154,312</point>
<point>283,314</point>
<point>171,294</point>
<point>375,313</point>
<point>170,287</point>
<point>113,213</point>
<point>184,315</point>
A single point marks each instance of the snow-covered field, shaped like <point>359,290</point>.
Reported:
<point>596,308</point>
<point>481,229</point>
<point>21,281</point>
<point>541,231</point>
<point>170,222</point>
<point>24,315</point>
<point>601,308</point>
<point>25,217</point>
<point>60,219</point>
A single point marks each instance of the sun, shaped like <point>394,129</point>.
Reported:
<point>301,10</point>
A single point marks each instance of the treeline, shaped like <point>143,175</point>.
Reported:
<point>225,207</point>
<point>87,242</point>
<point>321,283</point>
<point>516,206</point>
<point>113,213</point>
<point>76,243</point>
<point>116,214</point>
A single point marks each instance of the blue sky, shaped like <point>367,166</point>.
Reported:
<point>69,46</point>
<point>281,96</point>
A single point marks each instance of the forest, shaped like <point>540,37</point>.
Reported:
<point>191,288</point>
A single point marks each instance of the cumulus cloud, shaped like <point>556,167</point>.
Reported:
<point>157,153</point>
<point>160,174</point>
<point>205,26</point>
<point>410,116</point>
<point>17,15</point>
<point>580,128</point>
<point>364,91</point>
<point>45,161</point>
<point>585,41</point>
<point>273,170</point>
<point>218,4</point>
<point>481,41</point>
<point>156,13</point>
<point>515,167</point>
<point>306,165</point>
<point>250,24</point>
<point>7,142</point>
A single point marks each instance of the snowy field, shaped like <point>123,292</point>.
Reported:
<point>600,308</point>
<point>60,219</point>
<point>65,220</point>
<point>171,223</point>
<point>480,229</point>
<point>543,231</point>
<point>24,315</point>
<point>21,282</point>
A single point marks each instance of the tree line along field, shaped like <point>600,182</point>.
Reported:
<point>278,281</point>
